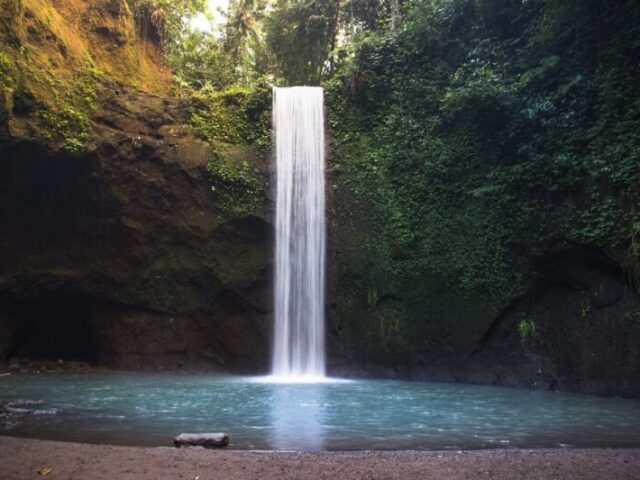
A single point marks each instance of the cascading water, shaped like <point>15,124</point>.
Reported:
<point>298,119</point>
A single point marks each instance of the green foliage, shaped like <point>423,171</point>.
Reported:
<point>292,42</point>
<point>7,85</point>
<point>365,14</point>
<point>235,122</point>
<point>237,115</point>
<point>527,329</point>
<point>67,119</point>
<point>475,135</point>
<point>197,59</point>
<point>199,62</point>
<point>165,18</point>
<point>59,108</point>
<point>7,71</point>
<point>235,181</point>
<point>301,35</point>
<point>243,39</point>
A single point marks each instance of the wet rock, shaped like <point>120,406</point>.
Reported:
<point>14,364</point>
<point>17,408</point>
<point>8,423</point>
<point>17,411</point>
<point>206,440</point>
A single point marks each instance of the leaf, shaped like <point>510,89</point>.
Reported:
<point>45,471</point>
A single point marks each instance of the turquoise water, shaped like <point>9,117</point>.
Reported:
<point>138,409</point>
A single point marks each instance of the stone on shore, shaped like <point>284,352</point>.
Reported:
<point>206,440</point>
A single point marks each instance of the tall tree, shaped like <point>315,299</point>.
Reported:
<point>299,33</point>
<point>242,32</point>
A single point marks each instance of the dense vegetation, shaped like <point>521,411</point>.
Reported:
<point>469,137</point>
<point>492,131</point>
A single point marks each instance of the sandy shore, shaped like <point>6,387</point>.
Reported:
<point>20,459</point>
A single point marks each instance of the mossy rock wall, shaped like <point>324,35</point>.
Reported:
<point>129,235</point>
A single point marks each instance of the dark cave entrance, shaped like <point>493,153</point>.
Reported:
<point>54,327</point>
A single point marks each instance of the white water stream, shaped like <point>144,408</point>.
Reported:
<point>298,119</point>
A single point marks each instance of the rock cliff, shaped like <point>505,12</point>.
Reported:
<point>121,255</point>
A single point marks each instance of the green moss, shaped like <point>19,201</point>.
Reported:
<point>235,179</point>
<point>585,310</point>
<point>48,80</point>
<point>235,122</point>
<point>527,329</point>
<point>67,120</point>
<point>57,109</point>
<point>7,85</point>
<point>237,115</point>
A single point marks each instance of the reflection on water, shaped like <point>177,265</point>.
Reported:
<point>140,409</point>
<point>298,416</point>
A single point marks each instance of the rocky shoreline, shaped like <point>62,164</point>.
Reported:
<point>22,459</point>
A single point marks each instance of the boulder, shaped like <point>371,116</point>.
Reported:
<point>206,440</point>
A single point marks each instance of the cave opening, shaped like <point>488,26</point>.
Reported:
<point>54,327</point>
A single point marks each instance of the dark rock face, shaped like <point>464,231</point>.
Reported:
<point>576,328</point>
<point>120,255</point>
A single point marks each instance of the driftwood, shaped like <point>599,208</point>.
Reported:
<point>206,440</point>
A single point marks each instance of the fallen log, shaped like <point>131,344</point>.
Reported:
<point>206,440</point>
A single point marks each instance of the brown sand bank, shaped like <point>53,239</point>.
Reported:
<point>20,459</point>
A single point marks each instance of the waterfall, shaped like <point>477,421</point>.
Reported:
<point>298,119</point>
